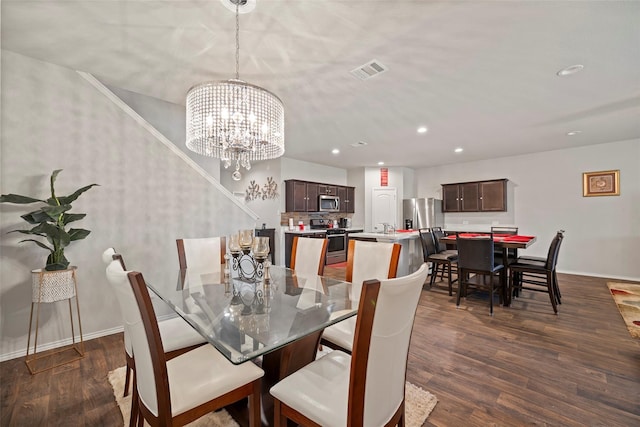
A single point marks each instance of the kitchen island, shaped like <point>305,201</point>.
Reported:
<point>411,253</point>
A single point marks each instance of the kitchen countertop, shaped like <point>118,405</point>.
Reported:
<point>319,231</point>
<point>391,237</point>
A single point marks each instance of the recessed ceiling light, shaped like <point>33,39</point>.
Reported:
<point>359,144</point>
<point>335,151</point>
<point>459,150</point>
<point>422,129</point>
<point>570,70</point>
<point>574,132</point>
<point>380,163</point>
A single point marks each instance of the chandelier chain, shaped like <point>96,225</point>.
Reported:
<point>237,42</point>
<point>235,121</point>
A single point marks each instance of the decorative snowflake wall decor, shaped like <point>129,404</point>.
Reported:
<point>253,191</point>
<point>268,191</point>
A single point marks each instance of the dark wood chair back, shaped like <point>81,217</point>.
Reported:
<point>428,243</point>
<point>504,230</point>
<point>437,234</point>
<point>476,254</point>
<point>554,251</point>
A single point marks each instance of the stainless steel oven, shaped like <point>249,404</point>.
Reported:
<point>337,246</point>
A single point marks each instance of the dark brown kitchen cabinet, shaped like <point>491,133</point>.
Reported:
<point>301,196</point>
<point>493,195</point>
<point>347,202</point>
<point>330,190</point>
<point>477,196</point>
<point>288,243</point>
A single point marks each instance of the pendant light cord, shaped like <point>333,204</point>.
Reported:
<point>237,41</point>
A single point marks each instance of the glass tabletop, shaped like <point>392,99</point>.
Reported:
<point>244,319</point>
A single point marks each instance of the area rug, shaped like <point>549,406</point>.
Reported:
<point>419,404</point>
<point>627,298</point>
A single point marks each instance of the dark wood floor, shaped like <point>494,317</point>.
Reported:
<point>523,366</point>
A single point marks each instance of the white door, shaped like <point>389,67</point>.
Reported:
<point>384,208</point>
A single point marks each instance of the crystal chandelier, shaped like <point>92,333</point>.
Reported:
<point>235,121</point>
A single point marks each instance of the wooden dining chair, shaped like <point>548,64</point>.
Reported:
<point>180,390</point>
<point>512,253</point>
<point>476,267</point>
<point>177,335</point>
<point>201,254</point>
<point>445,259</point>
<point>366,260</point>
<point>538,274</point>
<point>441,248</point>
<point>308,255</point>
<point>367,387</point>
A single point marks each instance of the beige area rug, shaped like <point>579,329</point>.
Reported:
<point>419,405</point>
<point>627,298</point>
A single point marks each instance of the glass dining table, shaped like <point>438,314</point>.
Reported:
<point>280,317</point>
<point>245,319</point>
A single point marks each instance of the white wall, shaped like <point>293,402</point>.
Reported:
<point>268,210</point>
<point>170,120</point>
<point>396,179</point>
<point>545,194</point>
<point>52,118</point>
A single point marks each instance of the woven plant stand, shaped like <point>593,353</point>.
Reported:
<point>48,287</point>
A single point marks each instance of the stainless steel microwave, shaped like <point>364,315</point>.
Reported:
<point>328,203</point>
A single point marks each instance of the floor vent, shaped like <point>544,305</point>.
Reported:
<point>368,70</point>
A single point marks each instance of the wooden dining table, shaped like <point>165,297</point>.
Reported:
<point>279,319</point>
<point>500,241</point>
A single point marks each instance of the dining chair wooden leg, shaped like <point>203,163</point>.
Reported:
<point>556,287</point>
<point>135,404</point>
<point>128,372</point>
<point>552,294</point>
<point>460,289</point>
<point>254,405</point>
<point>491,297</point>
<point>450,286</point>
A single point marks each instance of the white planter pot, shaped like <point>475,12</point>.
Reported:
<point>50,286</point>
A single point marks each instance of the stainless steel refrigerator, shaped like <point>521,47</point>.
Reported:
<point>422,213</point>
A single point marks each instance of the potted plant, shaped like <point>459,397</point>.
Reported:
<point>50,221</point>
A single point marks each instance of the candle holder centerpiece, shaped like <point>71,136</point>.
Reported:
<point>248,256</point>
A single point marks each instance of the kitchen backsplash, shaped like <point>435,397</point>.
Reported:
<point>305,217</point>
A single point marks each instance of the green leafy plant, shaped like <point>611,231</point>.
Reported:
<point>51,222</point>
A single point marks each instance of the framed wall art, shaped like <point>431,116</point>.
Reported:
<point>603,183</point>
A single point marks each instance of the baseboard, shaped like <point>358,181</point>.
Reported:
<point>602,276</point>
<point>61,343</point>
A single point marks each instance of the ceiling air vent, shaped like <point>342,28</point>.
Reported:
<point>359,144</point>
<point>368,70</point>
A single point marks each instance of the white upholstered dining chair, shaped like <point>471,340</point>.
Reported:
<point>177,335</point>
<point>308,256</point>
<point>180,390</point>
<point>366,260</point>
<point>201,254</point>
<point>368,387</point>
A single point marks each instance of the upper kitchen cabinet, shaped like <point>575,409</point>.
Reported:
<point>478,196</point>
<point>301,196</point>
<point>347,199</point>
<point>329,190</point>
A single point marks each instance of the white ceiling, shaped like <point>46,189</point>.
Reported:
<point>480,74</point>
